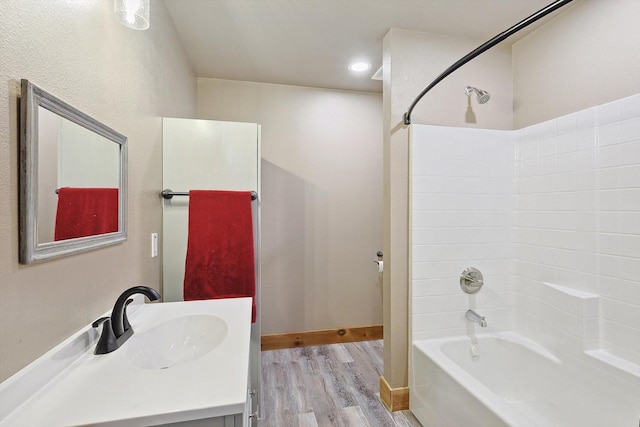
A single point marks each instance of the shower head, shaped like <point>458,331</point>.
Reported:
<point>483,95</point>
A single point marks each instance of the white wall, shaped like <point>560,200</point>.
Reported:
<point>572,219</point>
<point>578,226</point>
<point>462,200</point>
<point>321,200</point>
<point>123,78</point>
<point>202,155</point>
<point>86,159</point>
<point>48,129</point>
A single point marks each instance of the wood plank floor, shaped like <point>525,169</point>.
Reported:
<point>326,386</point>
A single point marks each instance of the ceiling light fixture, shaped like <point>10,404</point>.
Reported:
<point>133,14</point>
<point>359,67</point>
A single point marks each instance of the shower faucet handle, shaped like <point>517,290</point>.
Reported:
<point>471,280</point>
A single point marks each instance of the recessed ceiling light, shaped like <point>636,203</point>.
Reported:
<point>359,67</point>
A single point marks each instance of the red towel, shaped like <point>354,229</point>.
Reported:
<point>220,260</point>
<point>86,212</point>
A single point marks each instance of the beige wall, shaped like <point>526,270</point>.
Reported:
<point>411,61</point>
<point>589,54</point>
<point>127,80</point>
<point>321,199</point>
<point>418,58</point>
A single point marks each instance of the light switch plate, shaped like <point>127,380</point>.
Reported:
<point>154,245</point>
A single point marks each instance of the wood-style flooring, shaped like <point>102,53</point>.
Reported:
<point>326,386</point>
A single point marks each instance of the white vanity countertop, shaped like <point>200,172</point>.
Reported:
<point>88,389</point>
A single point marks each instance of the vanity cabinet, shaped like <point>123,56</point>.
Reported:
<point>237,420</point>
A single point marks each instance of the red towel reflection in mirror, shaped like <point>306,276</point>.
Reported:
<point>220,254</point>
<point>86,212</point>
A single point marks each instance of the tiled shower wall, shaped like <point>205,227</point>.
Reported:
<point>557,202</point>
<point>577,224</point>
<point>461,216</point>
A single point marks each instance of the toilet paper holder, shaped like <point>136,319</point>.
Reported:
<point>380,262</point>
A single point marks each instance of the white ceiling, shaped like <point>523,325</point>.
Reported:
<point>311,42</point>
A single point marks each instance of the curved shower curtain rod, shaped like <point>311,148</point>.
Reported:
<point>484,47</point>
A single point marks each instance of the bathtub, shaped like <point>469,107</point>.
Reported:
<point>514,382</point>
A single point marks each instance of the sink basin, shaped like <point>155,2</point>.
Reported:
<point>176,341</point>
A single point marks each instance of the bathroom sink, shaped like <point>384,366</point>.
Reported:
<point>191,357</point>
<point>176,341</point>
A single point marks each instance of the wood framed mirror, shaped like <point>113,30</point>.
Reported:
<point>73,179</point>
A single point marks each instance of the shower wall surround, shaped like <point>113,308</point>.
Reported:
<point>462,199</point>
<point>578,224</point>
<point>554,203</point>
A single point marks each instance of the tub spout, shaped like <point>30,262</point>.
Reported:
<point>475,318</point>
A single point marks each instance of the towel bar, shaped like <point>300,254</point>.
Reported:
<point>168,194</point>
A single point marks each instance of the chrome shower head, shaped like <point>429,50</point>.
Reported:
<point>483,95</point>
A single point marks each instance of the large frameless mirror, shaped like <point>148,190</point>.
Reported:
<point>73,179</point>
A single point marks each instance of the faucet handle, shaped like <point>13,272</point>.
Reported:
<point>107,342</point>
<point>99,321</point>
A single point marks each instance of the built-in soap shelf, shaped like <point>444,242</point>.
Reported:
<point>579,313</point>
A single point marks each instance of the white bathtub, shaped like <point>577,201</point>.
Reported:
<point>517,383</point>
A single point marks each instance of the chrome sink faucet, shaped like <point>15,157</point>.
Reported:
<point>116,329</point>
<point>474,317</point>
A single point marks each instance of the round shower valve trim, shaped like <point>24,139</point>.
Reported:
<point>471,280</point>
